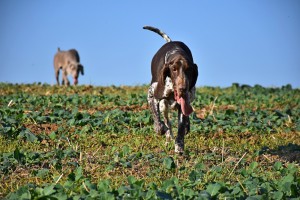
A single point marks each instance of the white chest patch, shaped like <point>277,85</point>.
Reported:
<point>168,87</point>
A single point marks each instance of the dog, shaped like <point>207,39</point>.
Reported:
<point>69,63</point>
<point>174,76</point>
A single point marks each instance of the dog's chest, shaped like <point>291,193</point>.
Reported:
<point>169,89</point>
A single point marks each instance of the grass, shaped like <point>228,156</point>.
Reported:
<point>244,141</point>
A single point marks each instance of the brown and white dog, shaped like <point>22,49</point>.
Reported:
<point>69,63</point>
<point>174,76</point>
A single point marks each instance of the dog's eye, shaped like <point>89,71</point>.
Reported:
<point>174,69</point>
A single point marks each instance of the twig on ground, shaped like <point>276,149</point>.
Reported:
<point>223,150</point>
<point>237,164</point>
<point>58,178</point>
<point>213,106</point>
<point>10,103</point>
<point>85,187</point>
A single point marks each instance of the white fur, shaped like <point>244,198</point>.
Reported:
<point>169,89</point>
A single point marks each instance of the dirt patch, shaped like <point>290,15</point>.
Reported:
<point>41,128</point>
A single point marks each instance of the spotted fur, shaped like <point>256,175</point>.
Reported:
<point>174,76</point>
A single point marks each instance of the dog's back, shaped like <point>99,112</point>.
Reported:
<point>74,54</point>
<point>62,58</point>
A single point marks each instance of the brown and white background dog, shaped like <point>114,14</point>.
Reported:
<point>174,76</point>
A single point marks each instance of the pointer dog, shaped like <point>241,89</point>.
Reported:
<point>174,75</point>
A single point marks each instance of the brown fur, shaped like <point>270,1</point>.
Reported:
<point>173,62</point>
<point>181,60</point>
<point>69,63</point>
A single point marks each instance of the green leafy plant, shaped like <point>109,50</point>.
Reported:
<point>89,142</point>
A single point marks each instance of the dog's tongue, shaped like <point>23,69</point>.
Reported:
<point>186,108</point>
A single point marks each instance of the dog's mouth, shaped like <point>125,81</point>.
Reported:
<point>75,81</point>
<point>184,103</point>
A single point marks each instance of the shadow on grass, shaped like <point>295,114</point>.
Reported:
<point>289,153</point>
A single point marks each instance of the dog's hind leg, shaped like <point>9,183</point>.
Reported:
<point>57,76</point>
<point>159,126</point>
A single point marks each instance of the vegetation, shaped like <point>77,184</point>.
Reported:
<point>90,142</point>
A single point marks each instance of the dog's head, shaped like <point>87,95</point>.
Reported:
<point>74,69</point>
<point>183,73</point>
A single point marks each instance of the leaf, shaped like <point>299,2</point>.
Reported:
<point>131,180</point>
<point>103,186</point>
<point>48,190</point>
<point>89,185</point>
<point>213,189</point>
<point>256,197</point>
<point>127,164</point>
<point>30,137</point>
<point>253,165</point>
<point>204,195</point>
<point>22,193</point>
<point>42,173</point>
<point>195,176</point>
<point>52,135</point>
<point>169,163</point>
<point>288,179</point>
<point>278,166</point>
<point>200,166</point>
<point>151,194</point>
<point>188,192</point>
<point>106,196</point>
<point>25,195</point>
<point>277,195</point>
<point>163,195</point>
<point>78,173</point>
<point>60,196</point>
<point>18,155</point>
<point>125,150</point>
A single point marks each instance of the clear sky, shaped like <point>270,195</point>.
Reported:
<point>247,42</point>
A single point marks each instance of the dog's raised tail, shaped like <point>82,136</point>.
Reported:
<point>156,30</point>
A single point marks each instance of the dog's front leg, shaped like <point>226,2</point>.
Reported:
<point>164,109</point>
<point>65,80</point>
<point>159,127</point>
<point>183,128</point>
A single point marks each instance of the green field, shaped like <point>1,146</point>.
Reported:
<point>90,142</point>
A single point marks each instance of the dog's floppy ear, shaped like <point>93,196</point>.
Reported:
<point>81,69</point>
<point>193,74</point>
<point>165,71</point>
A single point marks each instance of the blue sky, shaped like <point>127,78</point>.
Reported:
<point>247,42</point>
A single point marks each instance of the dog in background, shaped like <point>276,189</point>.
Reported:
<point>69,63</point>
<point>174,76</point>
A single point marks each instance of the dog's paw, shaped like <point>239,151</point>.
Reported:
<point>179,148</point>
<point>160,128</point>
<point>169,137</point>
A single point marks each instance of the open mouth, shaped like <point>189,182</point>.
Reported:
<point>184,103</point>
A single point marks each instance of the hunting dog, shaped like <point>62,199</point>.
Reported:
<point>174,76</point>
<point>69,63</point>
